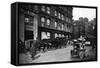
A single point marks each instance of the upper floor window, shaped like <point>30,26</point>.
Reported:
<point>48,21</point>
<point>59,15</point>
<point>62,27</point>
<point>62,17</point>
<point>43,8</point>
<point>28,19</point>
<point>58,27</point>
<point>42,21</point>
<point>69,20</point>
<point>55,24</point>
<point>66,19</point>
<point>48,10</point>
<point>55,13</point>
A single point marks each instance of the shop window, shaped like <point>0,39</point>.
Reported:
<point>56,35</point>
<point>48,35</point>
<point>45,35</point>
<point>59,35</point>
<point>63,35</point>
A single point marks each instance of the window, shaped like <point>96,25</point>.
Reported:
<point>55,24</point>
<point>48,21</point>
<point>66,36</point>
<point>28,19</point>
<point>69,20</point>
<point>45,35</point>
<point>43,8</point>
<point>62,17</point>
<point>58,27</point>
<point>55,13</point>
<point>59,15</point>
<point>66,19</point>
<point>62,27</point>
<point>48,35</point>
<point>56,35</point>
<point>42,21</point>
<point>63,35</point>
<point>59,35</point>
<point>48,10</point>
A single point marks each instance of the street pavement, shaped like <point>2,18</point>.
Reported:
<point>57,55</point>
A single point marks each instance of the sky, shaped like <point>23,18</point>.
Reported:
<point>90,13</point>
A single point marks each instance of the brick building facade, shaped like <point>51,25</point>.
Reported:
<point>41,21</point>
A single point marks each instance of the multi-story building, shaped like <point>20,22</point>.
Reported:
<point>41,21</point>
<point>79,27</point>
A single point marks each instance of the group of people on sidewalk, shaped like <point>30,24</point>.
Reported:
<point>36,46</point>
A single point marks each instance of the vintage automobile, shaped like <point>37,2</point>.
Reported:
<point>78,50</point>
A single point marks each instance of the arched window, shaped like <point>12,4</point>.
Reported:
<point>58,27</point>
<point>48,21</point>
<point>42,21</point>
<point>43,8</point>
<point>55,24</point>
<point>55,13</point>
<point>62,17</point>
<point>59,15</point>
<point>48,10</point>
